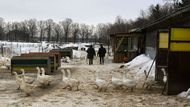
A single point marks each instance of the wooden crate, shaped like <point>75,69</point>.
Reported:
<point>119,57</point>
<point>29,63</point>
<point>63,52</point>
<point>53,56</point>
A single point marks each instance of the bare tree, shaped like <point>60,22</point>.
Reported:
<point>41,28</point>
<point>66,24</point>
<point>74,31</point>
<point>120,25</point>
<point>58,32</point>
<point>32,28</point>
<point>49,24</point>
<point>103,33</point>
<point>25,30</point>
<point>154,12</point>
<point>8,28</point>
<point>85,31</point>
<point>185,2</point>
<point>15,29</point>
<point>2,32</point>
<point>178,3</point>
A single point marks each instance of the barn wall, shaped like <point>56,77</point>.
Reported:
<point>151,39</point>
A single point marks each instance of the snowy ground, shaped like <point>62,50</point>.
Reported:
<point>87,96</point>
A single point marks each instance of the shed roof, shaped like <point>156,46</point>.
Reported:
<point>127,34</point>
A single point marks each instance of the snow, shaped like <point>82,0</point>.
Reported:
<point>78,54</point>
<point>87,95</point>
<point>139,64</point>
<point>185,94</point>
<point>137,61</point>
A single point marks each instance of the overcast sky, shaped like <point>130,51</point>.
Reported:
<point>82,11</point>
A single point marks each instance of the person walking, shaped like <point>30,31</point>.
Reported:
<point>90,54</point>
<point>101,53</point>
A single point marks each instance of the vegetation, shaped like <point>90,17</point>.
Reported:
<point>68,31</point>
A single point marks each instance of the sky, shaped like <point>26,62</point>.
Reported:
<point>89,12</point>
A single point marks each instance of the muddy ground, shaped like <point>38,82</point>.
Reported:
<point>88,95</point>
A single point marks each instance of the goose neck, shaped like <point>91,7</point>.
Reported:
<point>69,73</point>
<point>63,74</point>
<point>43,72</point>
<point>38,73</point>
<point>23,72</point>
<point>97,75</point>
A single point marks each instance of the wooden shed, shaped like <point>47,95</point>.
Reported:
<point>167,41</point>
<point>119,43</point>
<point>126,46</point>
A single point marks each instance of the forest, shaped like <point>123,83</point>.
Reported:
<point>33,30</point>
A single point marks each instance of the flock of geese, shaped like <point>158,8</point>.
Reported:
<point>117,83</point>
<point>27,84</point>
<point>125,82</point>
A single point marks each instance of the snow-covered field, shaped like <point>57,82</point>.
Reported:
<point>88,95</point>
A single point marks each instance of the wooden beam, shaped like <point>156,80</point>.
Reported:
<point>119,43</point>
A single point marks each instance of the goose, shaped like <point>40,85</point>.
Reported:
<point>65,79</point>
<point>100,83</point>
<point>43,80</point>
<point>128,83</point>
<point>48,78</point>
<point>165,75</point>
<point>28,79</point>
<point>18,79</point>
<point>39,77</point>
<point>73,82</point>
<point>25,87</point>
<point>116,82</point>
<point>165,78</point>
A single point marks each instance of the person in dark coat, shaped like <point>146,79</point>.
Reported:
<point>90,54</point>
<point>101,53</point>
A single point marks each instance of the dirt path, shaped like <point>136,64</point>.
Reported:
<point>87,96</point>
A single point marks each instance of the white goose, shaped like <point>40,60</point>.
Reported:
<point>65,79</point>
<point>28,79</point>
<point>25,87</point>
<point>18,79</point>
<point>48,78</point>
<point>116,82</point>
<point>42,79</point>
<point>128,83</point>
<point>100,83</point>
<point>165,75</point>
<point>73,82</point>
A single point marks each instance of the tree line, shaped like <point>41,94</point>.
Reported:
<point>69,31</point>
